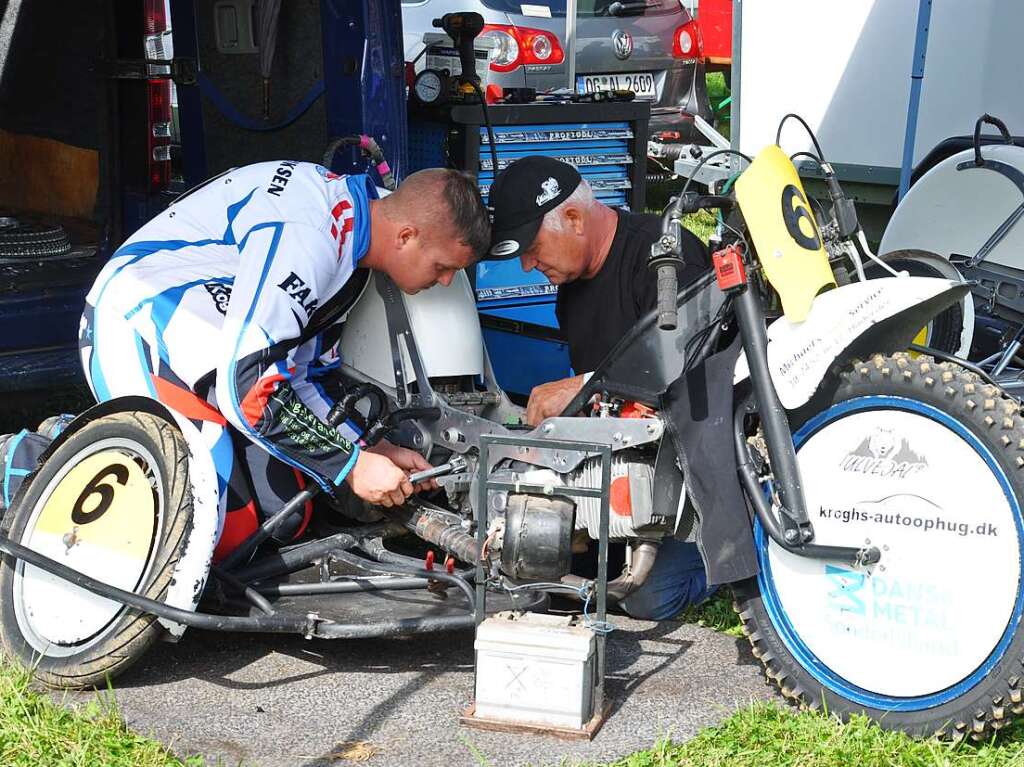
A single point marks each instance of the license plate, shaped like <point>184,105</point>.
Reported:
<point>641,83</point>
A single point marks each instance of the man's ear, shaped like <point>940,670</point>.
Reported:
<point>575,218</point>
<point>405,235</point>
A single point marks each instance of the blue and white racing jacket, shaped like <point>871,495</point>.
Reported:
<point>226,286</point>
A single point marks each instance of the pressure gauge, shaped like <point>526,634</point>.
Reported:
<point>430,87</point>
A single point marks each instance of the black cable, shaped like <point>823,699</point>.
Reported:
<point>487,122</point>
<point>814,139</point>
<point>808,155</point>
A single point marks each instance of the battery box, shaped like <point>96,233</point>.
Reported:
<point>535,669</point>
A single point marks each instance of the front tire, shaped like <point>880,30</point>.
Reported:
<point>926,461</point>
<point>113,501</point>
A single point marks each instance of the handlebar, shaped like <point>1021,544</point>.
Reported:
<point>691,202</point>
<point>668,287</point>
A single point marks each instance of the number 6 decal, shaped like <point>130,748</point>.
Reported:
<point>792,214</point>
<point>106,492</point>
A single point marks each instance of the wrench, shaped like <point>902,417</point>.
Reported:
<point>456,464</point>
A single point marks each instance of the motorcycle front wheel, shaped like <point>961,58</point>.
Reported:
<point>925,461</point>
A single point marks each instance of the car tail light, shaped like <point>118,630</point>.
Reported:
<point>522,46</point>
<point>155,22</point>
<point>160,134</point>
<point>687,42</point>
<point>160,117</point>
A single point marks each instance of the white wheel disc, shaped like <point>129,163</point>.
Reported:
<point>100,515</point>
<point>933,611</point>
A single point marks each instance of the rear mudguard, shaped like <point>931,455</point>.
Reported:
<point>193,567</point>
<point>853,321</point>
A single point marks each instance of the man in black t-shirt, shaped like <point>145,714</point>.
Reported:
<point>545,214</point>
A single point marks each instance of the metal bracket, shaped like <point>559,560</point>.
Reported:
<point>182,70</point>
<point>485,484</point>
<point>401,335</point>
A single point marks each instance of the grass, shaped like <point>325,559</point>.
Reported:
<point>717,94</point>
<point>36,731</point>
<point>716,614</point>
<point>770,735</point>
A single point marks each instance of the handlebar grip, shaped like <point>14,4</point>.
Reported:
<point>668,287</point>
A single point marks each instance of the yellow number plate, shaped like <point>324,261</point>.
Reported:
<point>105,501</point>
<point>784,231</point>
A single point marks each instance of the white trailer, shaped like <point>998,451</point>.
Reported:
<point>845,67</point>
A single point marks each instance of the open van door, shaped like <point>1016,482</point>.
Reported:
<point>55,146</point>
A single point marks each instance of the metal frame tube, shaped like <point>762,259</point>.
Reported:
<point>345,586</point>
<point>416,580</point>
<point>778,436</point>
<point>285,624</point>
<point>754,491</point>
<point>298,557</point>
<point>246,548</point>
<point>247,591</point>
<point>309,625</point>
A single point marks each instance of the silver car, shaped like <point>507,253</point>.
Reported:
<point>652,47</point>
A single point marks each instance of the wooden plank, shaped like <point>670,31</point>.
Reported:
<point>587,732</point>
<point>47,176</point>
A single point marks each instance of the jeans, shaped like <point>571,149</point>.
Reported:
<point>676,581</point>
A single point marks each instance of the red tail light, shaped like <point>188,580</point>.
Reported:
<point>160,120</point>
<point>521,46</point>
<point>155,17</point>
<point>159,136</point>
<point>687,42</point>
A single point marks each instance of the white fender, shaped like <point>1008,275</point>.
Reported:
<point>800,353</point>
<point>193,567</point>
<point>954,209</point>
<point>443,321</point>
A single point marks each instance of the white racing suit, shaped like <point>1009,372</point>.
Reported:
<point>217,308</point>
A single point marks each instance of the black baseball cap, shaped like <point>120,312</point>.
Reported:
<point>520,196</point>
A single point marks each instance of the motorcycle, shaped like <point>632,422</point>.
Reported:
<point>861,500</point>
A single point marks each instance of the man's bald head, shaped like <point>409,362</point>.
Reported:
<point>445,204</point>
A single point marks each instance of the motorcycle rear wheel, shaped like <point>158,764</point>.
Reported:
<point>926,461</point>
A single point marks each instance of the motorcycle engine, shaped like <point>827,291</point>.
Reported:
<point>631,497</point>
<point>535,535</point>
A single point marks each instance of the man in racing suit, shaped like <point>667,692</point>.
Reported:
<point>218,308</point>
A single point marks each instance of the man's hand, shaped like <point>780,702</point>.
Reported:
<point>406,459</point>
<point>377,480</point>
<point>551,399</point>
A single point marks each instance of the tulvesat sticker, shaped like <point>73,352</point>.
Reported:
<point>505,248</point>
<point>539,11</point>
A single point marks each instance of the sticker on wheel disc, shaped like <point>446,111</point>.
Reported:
<point>100,518</point>
<point>930,614</point>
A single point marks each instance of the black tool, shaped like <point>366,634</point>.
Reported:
<point>463,29</point>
